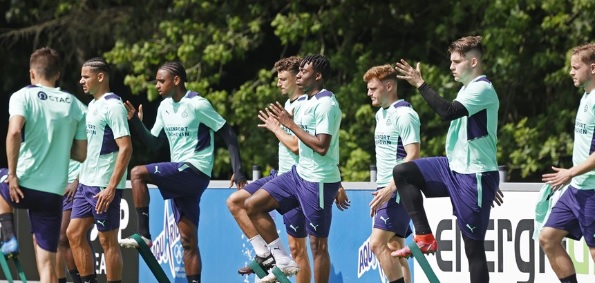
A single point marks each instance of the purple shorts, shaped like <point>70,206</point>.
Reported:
<point>84,206</point>
<point>294,220</point>
<point>575,213</point>
<point>291,191</point>
<point>183,183</point>
<point>393,217</point>
<point>471,195</point>
<point>45,213</point>
<point>257,184</point>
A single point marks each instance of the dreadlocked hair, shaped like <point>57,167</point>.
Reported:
<point>98,64</point>
<point>319,63</point>
<point>175,68</point>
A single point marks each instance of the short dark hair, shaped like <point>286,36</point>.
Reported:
<point>98,64</point>
<point>175,68</point>
<point>465,44</point>
<point>586,52</point>
<point>46,62</point>
<point>320,63</point>
<point>288,64</point>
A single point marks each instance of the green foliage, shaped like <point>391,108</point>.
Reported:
<point>229,48</point>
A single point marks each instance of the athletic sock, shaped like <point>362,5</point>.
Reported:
<point>89,278</point>
<point>259,245</point>
<point>7,222</point>
<point>400,280</point>
<point>114,281</point>
<point>143,221</point>
<point>62,280</point>
<point>278,250</point>
<point>569,279</point>
<point>75,275</point>
<point>193,278</point>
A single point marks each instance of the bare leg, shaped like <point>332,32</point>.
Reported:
<point>299,253</point>
<point>189,239</point>
<point>322,259</point>
<point>235,204</point>
<point>258,206</point>
<point>81,248</point>
<point>113,255</point>
<point>550,240</point>
<point>391,266</point>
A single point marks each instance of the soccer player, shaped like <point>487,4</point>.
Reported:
<point>287,69</point>
<point>397,140</point>
<point>188,121</point>
<point>38,157</point>
<point>573,215</point>
<point>469,172</point>
<point>313,183</point>
<point>103,174</point>
<point>64,257</point>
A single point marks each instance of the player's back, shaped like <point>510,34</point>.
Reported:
<point>52,120</point>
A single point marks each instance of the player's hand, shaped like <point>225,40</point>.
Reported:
<point>241,182</point>
<point>104,198</point>
<point>560,178</point>
<point>341,199</point>
<point>280,114</point>
<point>408,73</point>
<point>380,198</point>
<point>268,121</point>
<point>132,110</point>
<point>499,199</point>
<point>15,191</point>
<point>71,190</point>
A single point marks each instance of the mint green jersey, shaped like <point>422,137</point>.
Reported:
<point>53,120</point>
<point>74,168</point>
<point>106,121</point>
<point>320,114</point>
<point>584,140</point>
<point>396,126</point>
<point>287,158</point>
<point>471,140</point>
<point>189,125</point>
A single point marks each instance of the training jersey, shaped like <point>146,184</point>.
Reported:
<point>286,157</point>
<point>471,140</point>
<point>74,168</point>
<point>584,140</point>
<point>320,114</point>
<point>53,119</point>
<point>107,120</point>
<point>396,126</point>
<point>189,125</point>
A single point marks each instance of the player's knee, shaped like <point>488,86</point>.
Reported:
<point>235,202</point>
<point>318,246</point>
<point>73,234</point>
<point>188,243</point>
<point>400,171</point>
<point>377,245</point>
<point>298,249</point>
<point>63,241</point>
<point>544,241</point>
<point>137,172</point>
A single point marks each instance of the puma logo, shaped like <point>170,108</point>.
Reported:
<point>101,222</point>
<point>294,228</point>
<point>314,226</point>
<point>157,170</point>
<point>384,219</point>
<point>471,228</point>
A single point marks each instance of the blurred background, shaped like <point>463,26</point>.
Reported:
<point>229,48</point>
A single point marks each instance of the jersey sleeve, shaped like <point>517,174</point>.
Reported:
<point>17,106</point>
<point>81,127</point>
<point>325,116</point>
<point>208,116</point>
<point>117,119</point>
<point>158,126</point>
<point>478,96</point>
<point>408,126</point>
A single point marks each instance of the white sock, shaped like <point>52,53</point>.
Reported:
<point>278,250</point>
<point>260,246</point>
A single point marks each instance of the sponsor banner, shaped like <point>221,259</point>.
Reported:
<point>224,248</point>
<point>512,254</point>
